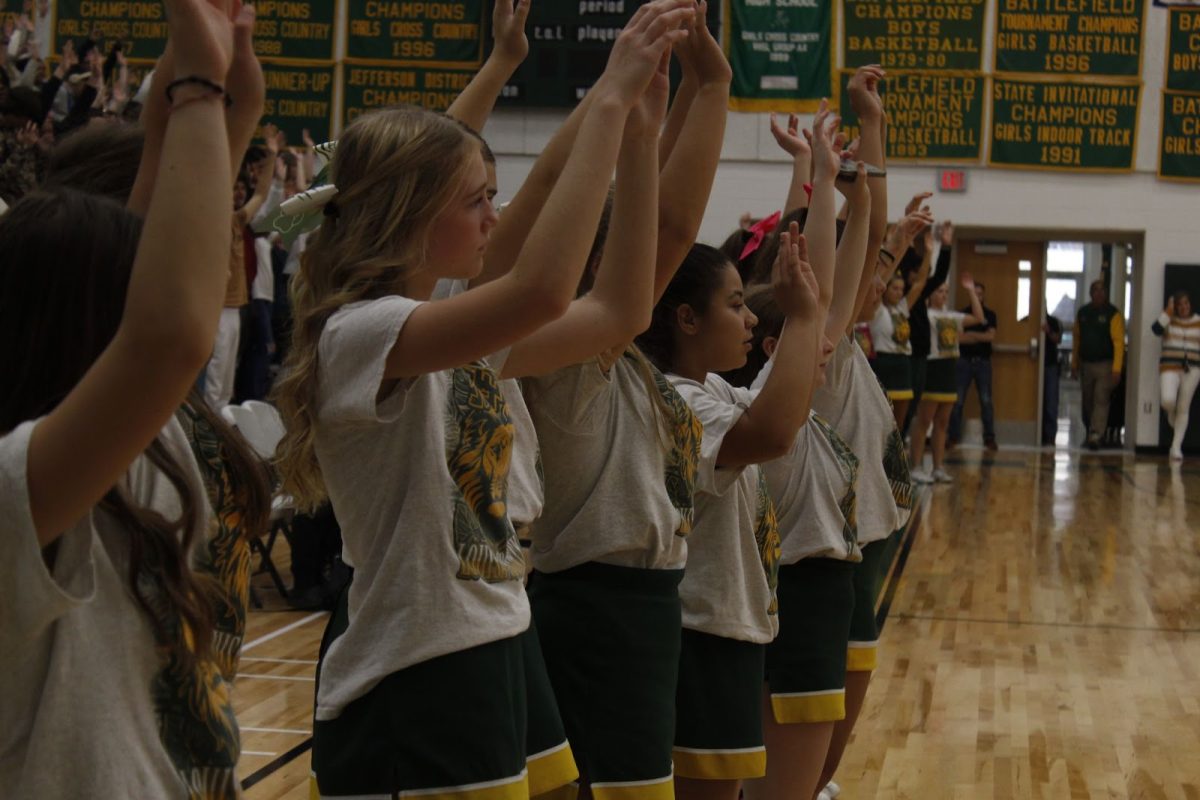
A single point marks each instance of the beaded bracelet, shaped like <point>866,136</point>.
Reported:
<point>216,88</point>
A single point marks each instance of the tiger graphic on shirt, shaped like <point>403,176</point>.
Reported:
<point>766,536</point>
<point>848,466</point>
<point>479,441</point>
<point>683,458</point>
<point>901,328</point>
<point>896,467</point>
<point>947,336</point>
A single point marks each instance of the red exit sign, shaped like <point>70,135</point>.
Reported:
<point>952,180</point>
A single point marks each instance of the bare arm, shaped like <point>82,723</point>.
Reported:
<point>688,175</point>
<point>795,145</point>
<point>976,317</point>
<point>851,282</point>
<point>865,99</point>
<point>544,278</point>
<point>766,430</point>
<point>172,304</point>
<point>264,179</point>
<point>474,105</point>
<point>820,227</point>
<point>919,280</point>
<point>618,307</point>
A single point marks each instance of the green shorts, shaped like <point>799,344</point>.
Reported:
<point>894,371</point>
<point>806,664</point>
<point>940,382</point>
<point>869,573</point>
<point>451,726</point>
<point>718,708</point>
<point>610,636</point>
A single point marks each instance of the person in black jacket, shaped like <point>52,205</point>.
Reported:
<point>918,316</point>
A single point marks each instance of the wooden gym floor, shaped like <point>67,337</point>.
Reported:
<point>1041,640</point>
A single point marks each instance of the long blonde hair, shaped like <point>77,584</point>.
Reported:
<point>397,170</point>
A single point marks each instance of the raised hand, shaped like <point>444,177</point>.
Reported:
<point>968,282</point>
<point>306,137</point>
<point>789,139</point>
<point>508,30</point>
<point>635,57</point>
<point>276,140</point>
<point>826,147</point>
<point>646,117</point>
<point>917,200</point>
<point>201,32</point>
<point>1170,309</point>
<point>245,84</point>
<point>700,55</point>
<point>864,93</point>
<point>792,278</point>
<point>28,135</point>
<point>947,233</point>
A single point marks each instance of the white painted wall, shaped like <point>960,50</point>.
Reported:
<point>752,177</point>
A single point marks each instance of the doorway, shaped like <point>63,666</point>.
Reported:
<point>1030,276</point>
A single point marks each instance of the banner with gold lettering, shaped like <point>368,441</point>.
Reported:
<point>781,52</point>
<point>298,29</point>
<point>1183,50</point>
<point>916,35</point>
<point>437,34</point>
<point>1179,147</point>
<point>932,116</point>
<point>370,86</point>
<point>300,97</point>
<point>140,26</point>
<point>1100,38</point>
<point>1059,125</point>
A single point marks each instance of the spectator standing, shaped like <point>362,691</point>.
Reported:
<point>1179,365</point>
<point>975,366</point>
<point>1053,329</point>
<point>1097,357</point>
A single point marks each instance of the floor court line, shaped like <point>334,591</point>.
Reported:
<point>289,627</point>
<point>1036,623</point>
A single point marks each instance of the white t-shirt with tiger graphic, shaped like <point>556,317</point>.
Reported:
<point>890,329</point>
<point>418,482</point>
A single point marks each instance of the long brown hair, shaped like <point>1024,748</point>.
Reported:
<point>65,261</point>
<point>396,171</point>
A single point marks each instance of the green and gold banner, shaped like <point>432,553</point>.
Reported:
<point>300,97</point>
<point>300,29</point>
<point>931,116</point>
<point>1179,148</point>
<point>437,34</point>
<point>366,86</point>
<point>140,26</point>
<point>1070,37</point>
<point>918,35</point>
<point>781,53</point>
<point>1183,50</point>
<point>1081,127</point>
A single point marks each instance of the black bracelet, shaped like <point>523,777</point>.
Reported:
<point>884,252</point>
<point>196,79</point>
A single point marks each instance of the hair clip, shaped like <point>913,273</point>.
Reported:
<point>758,232</point>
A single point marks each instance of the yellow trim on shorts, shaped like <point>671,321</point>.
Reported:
<point>862,656</point>
<point>551,769</point>
<point>828,705</point>
<point>514,788</point>
<point>940,397</point>
<point>720,765</point>
<point>900,394</point>
<point>569,791</point>
<point>656,789</point>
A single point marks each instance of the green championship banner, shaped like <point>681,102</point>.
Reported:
<point>300,97</point>
<point>1070,37</point>
<point>435,34</point>
<point>300,29</point>
<point>1179,149</point>
<point>140,26</point>
<point>781,53</point>
<point>931,116</point>
<point>1079,127</point>
<point>918,35</point>
<point>1183,50</point>
<point>368,86</point>
<point>569,45</point>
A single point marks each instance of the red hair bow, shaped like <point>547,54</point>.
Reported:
<point>758,232</point>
